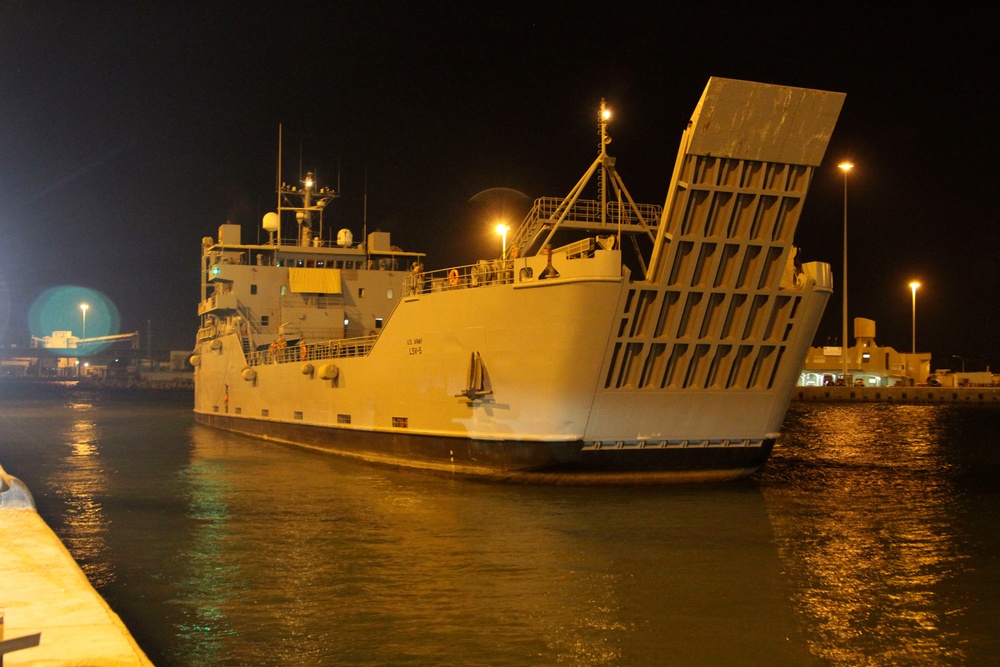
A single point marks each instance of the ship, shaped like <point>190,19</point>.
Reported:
<point>612,342</point>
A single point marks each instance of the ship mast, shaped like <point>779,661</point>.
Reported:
<point>311,202</point>
<point>604,159</point>
<point>621,215</point>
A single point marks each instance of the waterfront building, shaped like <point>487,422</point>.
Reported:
<point>868,364</point>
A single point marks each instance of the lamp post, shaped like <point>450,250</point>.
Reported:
<point>84,307</point>
<point>502,230</point>
<point>913,288</point>
<point>845,167</point>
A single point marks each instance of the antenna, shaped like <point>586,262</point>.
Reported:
<point>364,218</point>
<point>278,191</point>
<point>277,176</point>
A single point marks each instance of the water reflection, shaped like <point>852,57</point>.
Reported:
<point>303,558</point>
<point>80,482</point>
<point>863,509</point>
<point>860,544</point>
<point>208,583</point>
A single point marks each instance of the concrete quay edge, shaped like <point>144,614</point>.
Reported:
<point>908,395</point>
<point>42,589</point>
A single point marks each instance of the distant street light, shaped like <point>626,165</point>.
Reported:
<point>84,308</point>
<point>913,288</point>
<point>962,359</point>
<point>845,167</point>
<point>502,230</point>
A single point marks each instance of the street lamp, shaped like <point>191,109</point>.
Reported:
<point>502,230</point>
<point>845,167</point>
<point>84,307</point>
<point>913,288</point>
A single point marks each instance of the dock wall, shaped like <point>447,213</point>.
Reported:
<point>911,395</point>
<point>43,590</point>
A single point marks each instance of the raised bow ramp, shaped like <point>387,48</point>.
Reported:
<point>710,342</point>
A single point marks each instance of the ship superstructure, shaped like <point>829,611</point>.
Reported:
<point>613,342</point>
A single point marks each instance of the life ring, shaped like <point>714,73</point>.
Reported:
<point>453,277</point>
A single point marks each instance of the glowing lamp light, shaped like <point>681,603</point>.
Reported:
<point>502,230</point>
<point>845,167</point>
<point>58,309</point>
<point>913,288</point>
<point>605,114</point>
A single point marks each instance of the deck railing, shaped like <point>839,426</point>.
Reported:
<point>480,274</point>
<point>277,353</point>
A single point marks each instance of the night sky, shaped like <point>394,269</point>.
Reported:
<point>129,131</point>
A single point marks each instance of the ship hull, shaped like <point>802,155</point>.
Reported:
<point>561,462</point>
<point>406,407</point>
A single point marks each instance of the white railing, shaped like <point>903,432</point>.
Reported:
<point>589,211</point>
<point>481,274</point>
<point>278,353</point>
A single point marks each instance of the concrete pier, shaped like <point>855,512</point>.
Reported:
<point>909,395</point>
<point>43,590</point>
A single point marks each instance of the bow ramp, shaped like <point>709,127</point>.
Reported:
<point>723,310</point>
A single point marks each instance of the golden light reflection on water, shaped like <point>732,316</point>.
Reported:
<point>352,564</point>
<point>80,482</point>
<point>866,531</point>
<point>865,541</point>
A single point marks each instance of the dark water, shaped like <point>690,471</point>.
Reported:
<point>870,539</point>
